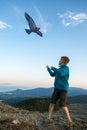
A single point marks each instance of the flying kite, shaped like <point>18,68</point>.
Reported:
<point>32,25</point>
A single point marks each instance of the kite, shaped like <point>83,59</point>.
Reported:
<point>32,25</point>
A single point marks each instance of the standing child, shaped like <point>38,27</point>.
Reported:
<point>61,86</point>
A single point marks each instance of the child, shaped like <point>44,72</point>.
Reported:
<point>61,86</point>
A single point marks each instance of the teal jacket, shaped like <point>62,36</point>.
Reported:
<point>61,77</point>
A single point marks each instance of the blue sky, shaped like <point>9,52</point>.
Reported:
<point>23,57</point>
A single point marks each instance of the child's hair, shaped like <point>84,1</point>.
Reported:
<point>66,59</point>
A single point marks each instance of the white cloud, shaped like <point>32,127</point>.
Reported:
<point>4,25</point>
<point>43,23</point>
<point>72,18</point>
<point>65,23</point>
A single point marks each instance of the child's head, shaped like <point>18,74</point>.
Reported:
<point>64,60</point>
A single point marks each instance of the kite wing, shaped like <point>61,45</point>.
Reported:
<point>30,21</point>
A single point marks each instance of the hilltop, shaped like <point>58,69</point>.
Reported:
<point>12,118</point>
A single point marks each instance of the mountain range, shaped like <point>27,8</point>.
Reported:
<point>19,94</point>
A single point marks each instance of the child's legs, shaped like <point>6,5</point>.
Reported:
<point>62,103</point>
<point>51,108</point>
<point>66,110</point>
<point>54,98</point>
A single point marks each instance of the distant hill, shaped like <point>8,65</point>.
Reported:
<point>77,91</point>
<point>19,95</point>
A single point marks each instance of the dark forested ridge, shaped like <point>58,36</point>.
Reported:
<point>42,104</point>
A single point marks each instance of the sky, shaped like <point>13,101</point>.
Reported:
<point>23,57</point>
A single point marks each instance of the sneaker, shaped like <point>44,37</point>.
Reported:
<point>69,123</point>
<point>47,119</point>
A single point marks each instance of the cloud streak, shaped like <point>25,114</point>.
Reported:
<point>4,25</point>
<point>43,23</point>
<point>72,18</point>
<point>17,10</point>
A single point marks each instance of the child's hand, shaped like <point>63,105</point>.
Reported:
<point>47,66</point>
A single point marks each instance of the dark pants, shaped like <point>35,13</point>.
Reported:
<point>60,95</point>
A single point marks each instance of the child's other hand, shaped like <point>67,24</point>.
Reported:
<point>51,67</point>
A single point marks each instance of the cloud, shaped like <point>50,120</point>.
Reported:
<point>43,23</point>
<point>72,18</point>
<point>5,84</point>
<point>4,25</point>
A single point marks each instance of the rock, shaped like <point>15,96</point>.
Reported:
<point>16,121</point>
